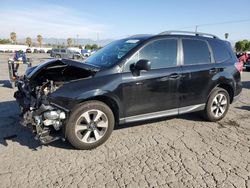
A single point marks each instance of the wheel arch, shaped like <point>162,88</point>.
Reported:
<point>110,102</point>
<point>228,87</point>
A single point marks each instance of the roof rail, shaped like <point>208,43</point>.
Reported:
<point>188,32</point>
<point>139,35</point>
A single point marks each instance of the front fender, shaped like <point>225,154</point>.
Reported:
<point>73,93</point>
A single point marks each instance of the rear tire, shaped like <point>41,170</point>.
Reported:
<point>90,125</point>
<point>217,105</point>
<point>58,56</point>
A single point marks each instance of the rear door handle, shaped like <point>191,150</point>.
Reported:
<point>174,76</point>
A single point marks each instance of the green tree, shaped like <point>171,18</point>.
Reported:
<point>13,37</point>
<point>40,40</point>
<point>242,46</point>
<point>94,47</point>
<point>5,41</point>
<point>238,46</point>
<point>28,41</point>
<point>245,45</point>
<point>88,46</point>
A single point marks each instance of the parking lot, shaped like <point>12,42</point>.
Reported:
<point>183,151</point>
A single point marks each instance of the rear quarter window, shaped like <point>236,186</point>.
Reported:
<point>220,51</point>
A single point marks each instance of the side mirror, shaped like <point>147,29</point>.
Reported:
<point>140,65</point>
<point>143,64</point>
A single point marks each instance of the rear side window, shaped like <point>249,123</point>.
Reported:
<point>220,51</point>
<point>195,52</point>
<point>63,51</point>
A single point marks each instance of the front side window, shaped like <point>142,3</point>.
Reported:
<point>161,53</point>
<point>195,52</point>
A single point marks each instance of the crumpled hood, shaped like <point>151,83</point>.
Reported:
<point>33,71</point>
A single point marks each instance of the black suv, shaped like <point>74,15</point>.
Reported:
<point>133,79</point>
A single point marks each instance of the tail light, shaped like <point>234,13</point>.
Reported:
<point>239,66</point>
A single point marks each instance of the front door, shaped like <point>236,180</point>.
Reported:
<point>156,90</point>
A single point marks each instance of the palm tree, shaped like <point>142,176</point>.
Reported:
<point>39,40</point>
<point>28,41</point>
<point>69,41</point>
<point>13,37</point>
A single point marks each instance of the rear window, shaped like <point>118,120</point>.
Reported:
<point>195,52</point>
<point>220,51</point>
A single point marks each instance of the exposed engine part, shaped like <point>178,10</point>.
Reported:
<point>53,115</point>
<point>37,113</point>
<point>54,118</point>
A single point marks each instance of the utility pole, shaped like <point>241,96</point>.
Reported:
<point>196,28</point>
<point>77,39</point>
<point>97,38</point>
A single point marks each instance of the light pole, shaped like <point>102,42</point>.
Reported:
<point>77,39</point>
<point>97,38</point>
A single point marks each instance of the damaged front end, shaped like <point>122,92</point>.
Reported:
<point>46,119</point>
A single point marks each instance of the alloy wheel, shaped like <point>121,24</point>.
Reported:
<point>91,126</point>
<point>219,105</point>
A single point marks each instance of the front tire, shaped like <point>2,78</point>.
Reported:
<point>217,105</point>
<point>90,125</point>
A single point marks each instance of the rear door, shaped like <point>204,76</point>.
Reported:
<point>198,68</point>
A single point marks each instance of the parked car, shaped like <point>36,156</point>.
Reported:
<point>85,53</point>
<point>35,51</point>
<point>65,53</point>
<point>28,50</point>
<point>41,51</point>
<point>133,79</point>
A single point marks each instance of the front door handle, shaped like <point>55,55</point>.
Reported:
<point>139,83</point>
<point>174,76</point>
<point>213,70</point>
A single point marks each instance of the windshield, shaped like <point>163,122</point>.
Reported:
<point>112,53</point>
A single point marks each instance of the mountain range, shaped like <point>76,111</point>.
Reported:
<point>80,41</point>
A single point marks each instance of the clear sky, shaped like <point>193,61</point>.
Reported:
<point>120,18</point>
